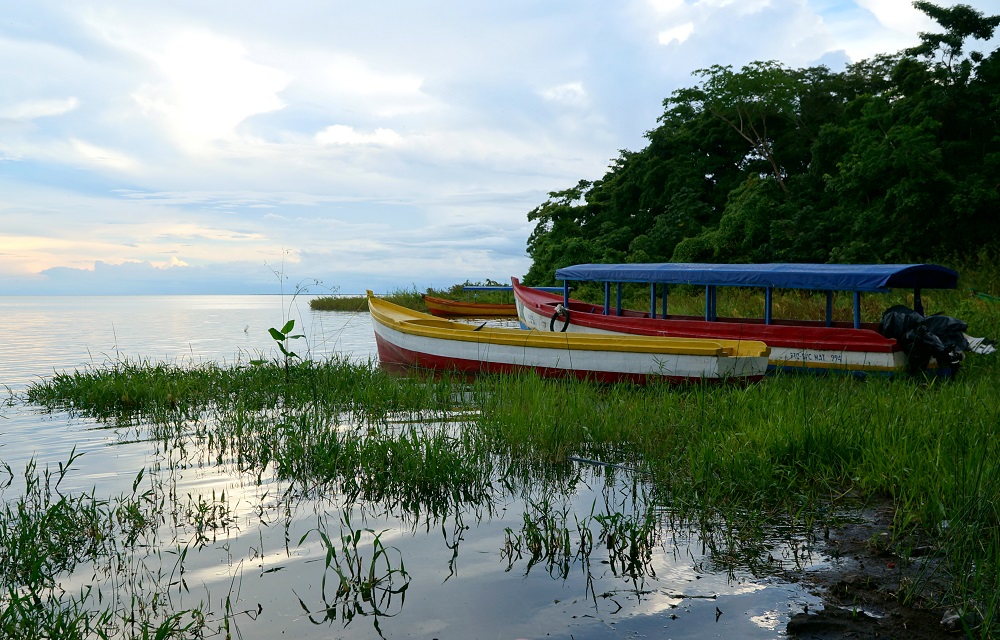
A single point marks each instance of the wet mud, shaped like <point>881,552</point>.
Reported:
<point>867,588</point>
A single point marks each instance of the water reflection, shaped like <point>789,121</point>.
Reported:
<point>308,522</point>
<point>561,550</point>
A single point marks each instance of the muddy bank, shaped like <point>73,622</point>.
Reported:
<point>864,585</point>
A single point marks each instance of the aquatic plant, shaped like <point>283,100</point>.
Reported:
<point>46,534</point>
<point>366,582</point>
<point>281,337</point>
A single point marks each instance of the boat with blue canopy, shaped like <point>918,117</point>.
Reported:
<point>796,344</point>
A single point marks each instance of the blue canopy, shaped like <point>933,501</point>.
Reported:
<point>825,277</point>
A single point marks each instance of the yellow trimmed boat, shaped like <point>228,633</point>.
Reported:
<point>409,339</point>
<point>444,308</point>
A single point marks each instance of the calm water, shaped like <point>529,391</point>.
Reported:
<point>462,582</point>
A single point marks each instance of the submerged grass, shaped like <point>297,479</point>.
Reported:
<point>46,534</point>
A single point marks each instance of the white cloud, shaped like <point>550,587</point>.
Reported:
<point>223,133</point>
<point>735,7</point>
<point>570,94</point>
<point>107,158</point>
<point>342,134</point>
<point>898,15</point>
<point>32,109</point>
<point>172,263</point>
<point>665,6</point>
<point>676,34</point>
<point>208,87</point>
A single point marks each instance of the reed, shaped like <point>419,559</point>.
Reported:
<point>405,297</point>
<point>412,298</point>
<point>46,534</point>
<point>746,465</point>
<point>365,582</point>
<point>793,450</point>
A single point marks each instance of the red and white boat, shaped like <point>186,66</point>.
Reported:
<point>822,345</point>
<point>407,339</point>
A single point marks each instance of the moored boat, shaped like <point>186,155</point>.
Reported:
<point>445,308</point>
<point>408,339</point>
<point>798,345</point>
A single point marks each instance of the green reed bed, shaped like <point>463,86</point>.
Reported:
<point>406,297</point>
<point>46,534</point>
<point>412,298</point>
<point>794,447</point>
<point>139,388</point>
<point>792,452</point>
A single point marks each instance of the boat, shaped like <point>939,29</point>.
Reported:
<point>407,340</point>
<point>796,345</point>
<point>444,308</point>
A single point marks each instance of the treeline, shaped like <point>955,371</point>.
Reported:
<point>895,159</point>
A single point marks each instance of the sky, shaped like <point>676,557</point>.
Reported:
<point>239,147</point>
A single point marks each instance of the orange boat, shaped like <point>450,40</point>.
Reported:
<point>445,308</point>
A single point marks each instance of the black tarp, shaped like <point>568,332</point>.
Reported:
<point>939,337</point>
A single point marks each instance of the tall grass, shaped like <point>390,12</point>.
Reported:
<point>405,297</point>
<point>412,298</point>
<point>46,534</point>
<point>744,464</point>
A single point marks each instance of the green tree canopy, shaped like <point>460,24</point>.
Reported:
<point>895,158</point>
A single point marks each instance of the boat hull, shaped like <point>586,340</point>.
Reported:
<point>406,340</point>
<point>444,308</point>
<point>804,347</point>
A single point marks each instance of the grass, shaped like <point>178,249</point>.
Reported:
<point>412,298</point>
<point>46,534</point>
<point>745,465</point>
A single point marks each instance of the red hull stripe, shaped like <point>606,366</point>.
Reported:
<point>394,357</point>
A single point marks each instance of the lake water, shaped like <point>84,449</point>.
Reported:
<point>266,562</point>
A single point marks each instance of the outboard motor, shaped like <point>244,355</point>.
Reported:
<point>939,337</point>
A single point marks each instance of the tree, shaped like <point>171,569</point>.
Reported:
<point>750,102</point>
<point>894,159</point>
<point>960,22</point>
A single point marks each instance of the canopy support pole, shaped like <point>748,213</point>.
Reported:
<point>768,299</point>
<point>618,307</point>
<point>566,293</point>
<point>607,298</point>
<point>857,309</point>
<point>918,304</point>
<point>710,308</point>
<point>829,308</point>
<point>652,300</point>
<point>664,300</point>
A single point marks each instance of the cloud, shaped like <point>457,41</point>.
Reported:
<point>571,94</point>
<point>33,109</point>
<point>93,154</point>
<point>194,143</point>
<point>899,16</point>
<point>676,34</point>
<point>342,134</point>
<point>208,86</point>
